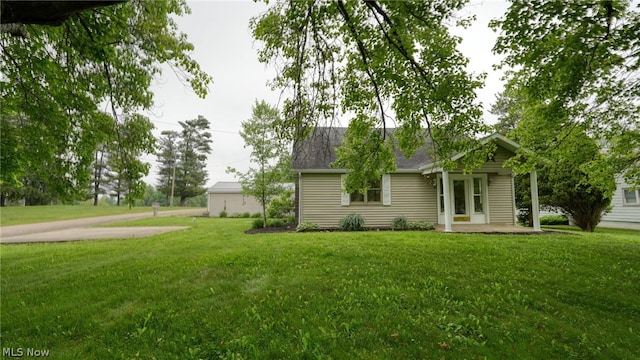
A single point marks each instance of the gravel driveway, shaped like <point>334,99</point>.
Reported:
<point>81,229</point>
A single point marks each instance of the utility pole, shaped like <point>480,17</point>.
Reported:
<point>173,180</point>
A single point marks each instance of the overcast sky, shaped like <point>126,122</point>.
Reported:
<point>225,49</point>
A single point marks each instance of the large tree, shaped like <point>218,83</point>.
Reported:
<point>194,145</point>
<point>182,159</point>
<point>569,184</point>
<point>56,81</point>
<point>573,175</point>
<point>268,153</point>
<point>133,139</point>
<point>575,67</point>
<point>380,63</point>
<point>168,161</point>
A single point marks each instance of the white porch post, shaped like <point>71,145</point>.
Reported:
<point>535,205</point>
<point>447,201</point>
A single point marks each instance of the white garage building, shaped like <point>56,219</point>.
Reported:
<point>227,196</point>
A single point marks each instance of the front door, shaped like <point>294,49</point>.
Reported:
<point>460,205</point>
<point>469,201</point>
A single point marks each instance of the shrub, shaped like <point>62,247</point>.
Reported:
<point>307,226</point>
<point>236,215</point>
<point>420,225</point>
<point>256,215</point>
<point>554,220</point>
<point>223,214</point>
<point>352,222</point>
<point>523,217</point>
<point>291,220</point>
<point>246,214</point>
<point>257,224</point>
<point>275,223</point>
<point>282,206</point>
<point>399,223</point>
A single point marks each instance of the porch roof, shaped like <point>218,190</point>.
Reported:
<point>498,138</point>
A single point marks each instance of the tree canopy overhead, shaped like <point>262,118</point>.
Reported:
<point>381,63</point>
<point>57,82</point>
<point>575,66</point>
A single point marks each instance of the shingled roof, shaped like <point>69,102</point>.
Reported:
<point>317,152</point>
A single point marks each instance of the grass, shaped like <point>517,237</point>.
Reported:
<point>214,292</point>
<point>16,215</point>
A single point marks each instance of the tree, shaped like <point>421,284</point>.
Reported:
<point>183,159</point>
<point>268,153</point>
<point>151,195</point>
<point>383,62</point>
<point>576,66</point>
<point>134,139</point>
<point>168,158</point>
<point>571,179</point>
<point>56,79</point>
<point>194,146</point>
<point>569,184</point>
<point>100,171</point>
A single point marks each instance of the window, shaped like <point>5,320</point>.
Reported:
<point>374,194</point>
<point>441,196</point>
<point>477,196</point>
<point>630,197</point>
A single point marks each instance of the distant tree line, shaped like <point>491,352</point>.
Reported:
<point>115,171</point>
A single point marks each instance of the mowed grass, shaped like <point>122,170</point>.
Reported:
<point>213,292</point>
<point>16,215</point>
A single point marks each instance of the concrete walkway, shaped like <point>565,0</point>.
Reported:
<point>81,229</point>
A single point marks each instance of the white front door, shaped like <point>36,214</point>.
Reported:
<point>469,201</point>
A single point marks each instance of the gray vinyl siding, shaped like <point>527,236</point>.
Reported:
<point>621,215</point>
<point>411,195</point>
<point>492,166</point>
<point>501,208</point>
<point>232,203</point>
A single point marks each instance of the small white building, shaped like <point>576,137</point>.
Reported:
<point>625,212</point>
<point>228,196</point>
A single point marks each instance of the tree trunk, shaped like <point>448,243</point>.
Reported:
<point>183,200</point>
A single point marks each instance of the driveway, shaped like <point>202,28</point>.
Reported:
<point>81,229</point>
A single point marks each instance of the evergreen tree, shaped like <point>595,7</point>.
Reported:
<point>182,159</point>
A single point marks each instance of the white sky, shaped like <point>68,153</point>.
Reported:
<point>225,49</point>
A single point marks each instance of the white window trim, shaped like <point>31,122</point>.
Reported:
<point>624,198</point>
<point>385,193</point>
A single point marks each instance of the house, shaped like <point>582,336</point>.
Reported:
<point>227,196</point>
<point>625,212</point>
<point>418,189</point>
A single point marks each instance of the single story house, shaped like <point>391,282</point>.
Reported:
<point>625,212</point>
<point>227,196</point>
<point>418,189</point>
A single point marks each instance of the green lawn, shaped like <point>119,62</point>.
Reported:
<point>214,292</point>
<point>16,215</point>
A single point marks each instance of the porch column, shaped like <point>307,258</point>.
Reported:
<point>535,205</point>
<point>447,201</point>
